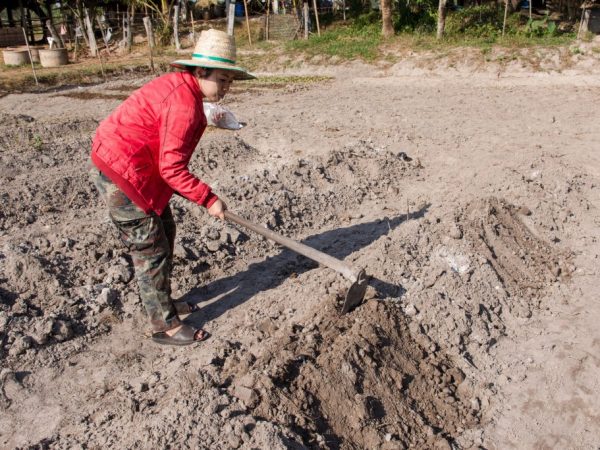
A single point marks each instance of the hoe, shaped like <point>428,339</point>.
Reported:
<point>356,292</point>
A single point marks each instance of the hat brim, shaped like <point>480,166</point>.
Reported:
<point>239,73</point>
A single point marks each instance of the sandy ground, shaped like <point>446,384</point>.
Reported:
<point>470,195</point>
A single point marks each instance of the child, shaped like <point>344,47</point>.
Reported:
<point>140,155</point>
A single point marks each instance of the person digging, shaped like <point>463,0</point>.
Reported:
<point>140,155</point>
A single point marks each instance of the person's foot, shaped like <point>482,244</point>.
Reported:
<point>180,335</point>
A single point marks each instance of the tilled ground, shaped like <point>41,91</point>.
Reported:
<point>469,232</point>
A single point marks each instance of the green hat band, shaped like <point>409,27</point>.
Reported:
<point>213,58</point>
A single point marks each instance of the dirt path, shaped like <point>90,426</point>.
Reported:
<point>471,200</point>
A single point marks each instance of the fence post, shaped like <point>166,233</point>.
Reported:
<point>317,17</point>
<point>176,26</point>
<point>305,20</point>
<point>193,26</point>
<point>150,34</point>
<point>30,58</point>
<point>230,18</point>
<point>149,31</point>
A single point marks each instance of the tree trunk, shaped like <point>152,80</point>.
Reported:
<point>90,34</point>
<point>176,26</point>
<point>386,17</point>
<point>441,24</point>
<point>55,36</point>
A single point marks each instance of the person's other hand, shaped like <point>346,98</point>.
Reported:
<point>217,209</point>
<point>218,115</point>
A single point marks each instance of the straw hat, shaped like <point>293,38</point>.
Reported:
<point>215,50</point>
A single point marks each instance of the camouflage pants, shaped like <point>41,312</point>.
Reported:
<point>149,239</point>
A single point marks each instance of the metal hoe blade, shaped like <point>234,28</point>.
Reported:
<point>356,292</point>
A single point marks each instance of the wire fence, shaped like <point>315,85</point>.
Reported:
<point>273,20</point>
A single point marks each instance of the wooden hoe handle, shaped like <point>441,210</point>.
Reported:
<point>341,267</point>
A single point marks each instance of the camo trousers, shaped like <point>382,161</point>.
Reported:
<point>149,239</point>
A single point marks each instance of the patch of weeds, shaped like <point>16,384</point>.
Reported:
<point>36,142</point>
<point>541,27</point>
<point>122,88</point>
<point>576,51</point>
<point>595,49</point>
<point>278,82</point>
<point>344,42</point>
<point>292,79</point>
<point>92,95</point>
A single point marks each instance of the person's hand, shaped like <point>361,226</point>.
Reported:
<point>217,209</point>
<point>218,114</point>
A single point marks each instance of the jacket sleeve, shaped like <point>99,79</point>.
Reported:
<point>179,131</point>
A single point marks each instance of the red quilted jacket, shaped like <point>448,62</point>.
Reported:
<point>145,145</point>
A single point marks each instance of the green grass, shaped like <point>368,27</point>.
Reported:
<point>345,42</point>
<point>478,27</point>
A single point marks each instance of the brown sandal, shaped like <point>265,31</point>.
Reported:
<point>185,336</point>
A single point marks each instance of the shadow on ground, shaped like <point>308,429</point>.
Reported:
<point>232,291</point>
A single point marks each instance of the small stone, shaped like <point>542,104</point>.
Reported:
<point>213,246</point>
<point>20,345</point>
<point>455,232</point>
<point>19,308</point>
<point>139,386</point>
<point>234,441</point>
<point>525,211</point>
<point>179,251</point>
<point>119,274</point>
<point>246,395</point>
<point>502,380</point>
<point>3,322</point>
<point>442,444</point>
<point>107,297</point>
<point>61,330</point>
<point>230,236</point>
<point>211,234</point>
<point>410,310</point>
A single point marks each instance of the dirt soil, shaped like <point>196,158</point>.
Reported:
<point>470,195</point>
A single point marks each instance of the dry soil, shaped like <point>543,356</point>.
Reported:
<point>469,194</point>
